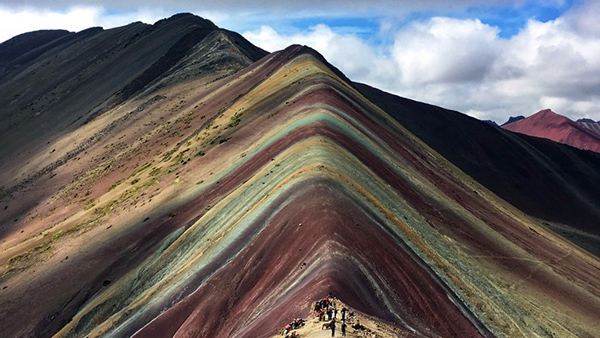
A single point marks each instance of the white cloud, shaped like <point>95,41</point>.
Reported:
<point>465,65</point>
<point>445,50</point>
<point>584,19</point>
<point>24,20</point>
<point>354,56</point>
<point>17,21</point>
<point>461,64</point>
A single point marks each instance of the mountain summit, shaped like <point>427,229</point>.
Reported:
<point>550,125</point>
<point>186,183</point>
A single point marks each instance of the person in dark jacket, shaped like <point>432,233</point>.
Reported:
<point>343,329</point>
<point>344,310</point>
<point>333,328</point>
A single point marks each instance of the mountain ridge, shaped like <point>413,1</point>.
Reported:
<point>516,167</point>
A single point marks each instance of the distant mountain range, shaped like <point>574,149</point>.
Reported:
<point>174,180</point>
<point>582,134</point>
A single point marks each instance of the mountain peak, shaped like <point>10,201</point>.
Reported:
<point>559,128</point>
<point>187,18</point>
<point>547,113</point>
<point>297,50</point>
<point>513,119</point>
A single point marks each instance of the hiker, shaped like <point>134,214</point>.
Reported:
<point>334,313</point>
<point>344,310</point>
<point>293,335</point>
<point>333,328</point>
<point>343,329</point>
<point>329,313</point>
<point>358,326</point>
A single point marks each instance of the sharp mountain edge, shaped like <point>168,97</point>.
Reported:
<point>174,180</point>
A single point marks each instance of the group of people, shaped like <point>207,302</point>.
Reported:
<point>327,307</point>
<point>287,330</point>
<point>326,311</point>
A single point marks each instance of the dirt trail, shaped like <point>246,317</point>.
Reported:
<point>373,328</point>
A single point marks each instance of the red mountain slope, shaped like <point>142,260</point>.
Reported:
<point>548,124</point>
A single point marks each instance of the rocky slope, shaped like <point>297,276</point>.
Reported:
<point>214,196</point>
<point>548,124</point>
<point>547,180</point>
<point>590,124</point>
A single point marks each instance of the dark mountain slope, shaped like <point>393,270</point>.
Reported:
<point>19,45</point>
<point>79,76</point>
<point>543,178</point>
<point>19,59</point>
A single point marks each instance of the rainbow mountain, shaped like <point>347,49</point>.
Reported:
<point>172,180</point>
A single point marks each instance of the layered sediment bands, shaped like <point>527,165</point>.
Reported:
<point>544,179</point>
<point>319,238</point>
<point>293,185</point>
<point>332,195</point>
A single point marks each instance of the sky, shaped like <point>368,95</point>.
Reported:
<point>490,59</point>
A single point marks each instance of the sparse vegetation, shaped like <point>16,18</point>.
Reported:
<point>116,184</point>
<point>84,180</point>
<point>189,118</point>
<point>142,168</point>
<point>90,204</point>
<point>235,120</point>
<point>155,171</point>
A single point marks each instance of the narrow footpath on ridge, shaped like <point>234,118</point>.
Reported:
<point>330,309</point>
